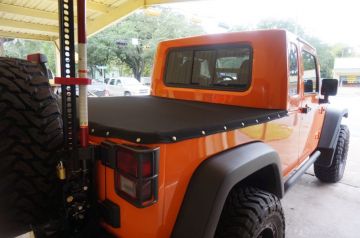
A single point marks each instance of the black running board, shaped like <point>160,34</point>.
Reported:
<point>300,171</point>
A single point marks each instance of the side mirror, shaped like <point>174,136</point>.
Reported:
<point>328,88</point>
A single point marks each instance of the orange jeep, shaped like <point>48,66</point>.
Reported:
<point>232,122</point>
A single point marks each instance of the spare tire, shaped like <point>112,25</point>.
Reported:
<point>30,134</point>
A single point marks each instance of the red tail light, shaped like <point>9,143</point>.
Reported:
<point>136,174</point>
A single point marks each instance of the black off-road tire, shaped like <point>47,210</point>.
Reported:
<point>251,213</point>
<point>30,133</point>
<point>335,172</point>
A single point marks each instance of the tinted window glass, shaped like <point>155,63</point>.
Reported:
<point>310,81</point>
<point>210,68</point>
<point>202,71</point>
<point>179,67</point>
<point>293,70</point>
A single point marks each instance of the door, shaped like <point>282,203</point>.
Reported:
<point>312,113</point>
<point>286,130</point>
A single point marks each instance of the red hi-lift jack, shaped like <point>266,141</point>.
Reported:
<point>73,168</point>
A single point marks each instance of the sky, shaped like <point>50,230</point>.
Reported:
<point>332,21</point>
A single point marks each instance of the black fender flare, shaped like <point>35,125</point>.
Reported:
<point>329,135</point>
<point>212,181</point>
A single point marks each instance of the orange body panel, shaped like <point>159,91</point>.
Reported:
<point>294,137</point>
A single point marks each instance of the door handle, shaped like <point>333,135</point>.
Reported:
<point>305,109</point>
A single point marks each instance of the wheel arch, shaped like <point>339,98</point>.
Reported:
<point>213,180</point>
<point>329,134</point>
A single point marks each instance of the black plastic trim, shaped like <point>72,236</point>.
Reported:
<point>108,154</point>
<point>110,212</point>
<point>329,134</point>
<point>212,182</point>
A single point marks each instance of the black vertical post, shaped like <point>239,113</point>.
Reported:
<point>67,60</point>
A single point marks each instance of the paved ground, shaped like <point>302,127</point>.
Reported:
<point>313,209</point>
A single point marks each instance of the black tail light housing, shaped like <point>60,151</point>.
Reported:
<point>136,172</point>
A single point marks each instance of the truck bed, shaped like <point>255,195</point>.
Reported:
<point>150,119</point>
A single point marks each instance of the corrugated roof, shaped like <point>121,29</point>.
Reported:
<point>38,19</point>
<point>347,63</point>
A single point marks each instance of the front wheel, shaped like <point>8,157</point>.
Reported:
<point>335,172</point>
<point>126,94</point>
<point>251,213</point>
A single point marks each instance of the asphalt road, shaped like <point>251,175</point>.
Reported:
<point>314,209</point>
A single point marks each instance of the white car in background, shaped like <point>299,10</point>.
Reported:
<point>125,86</point>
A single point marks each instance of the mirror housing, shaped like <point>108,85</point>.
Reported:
<point>329,87</point>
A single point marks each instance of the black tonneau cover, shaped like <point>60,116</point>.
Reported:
<point>151,119</point>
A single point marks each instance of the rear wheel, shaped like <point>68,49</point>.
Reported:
<point>251,213</point>
<point>30,133</point>
<point>127,94</point>
<point>335,172</point>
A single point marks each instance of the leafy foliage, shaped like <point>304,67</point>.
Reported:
<point>19,48</point>
<point>325,53</point>
<point>133,41</point>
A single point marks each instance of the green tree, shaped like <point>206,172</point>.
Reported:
<point>288,24</point>
<point>324,51</point>
<point>19,48</point>
<point>133,41</point>
<point>2,42</point>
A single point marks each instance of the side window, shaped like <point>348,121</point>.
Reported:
<point>293,70</point>
<point>112,81</point>
<point>118,82</point>
<point>310,77</point>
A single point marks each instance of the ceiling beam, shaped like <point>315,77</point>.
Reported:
<point>93,6</point>
<point>158,2</point>
<point>24,11</point>
<point>113,16</point>
<point>98,7</point>
<point>29,26</point>
<point>20,35</point>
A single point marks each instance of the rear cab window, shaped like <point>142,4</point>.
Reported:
<point>223,68</point>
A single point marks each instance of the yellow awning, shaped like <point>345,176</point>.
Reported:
<point>38,19</point>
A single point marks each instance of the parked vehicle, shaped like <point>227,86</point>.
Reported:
<point>125,86</point>
<point>231,123</point>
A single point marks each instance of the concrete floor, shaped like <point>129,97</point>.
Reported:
<point>314,209</point>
